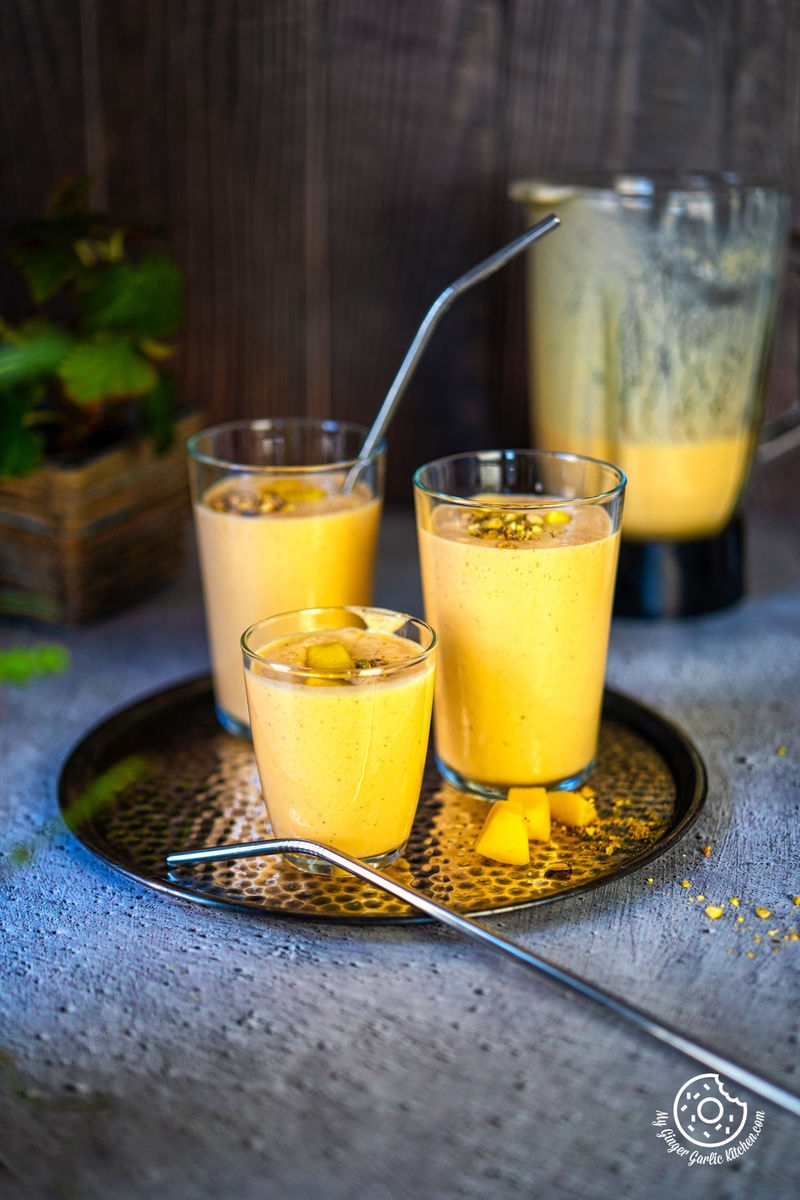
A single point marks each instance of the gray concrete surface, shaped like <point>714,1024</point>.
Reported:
<point>152,1047</point>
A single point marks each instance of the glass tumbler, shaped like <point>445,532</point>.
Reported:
<point>340,710</point>
<point>518,552</point>
<point>286,517</point>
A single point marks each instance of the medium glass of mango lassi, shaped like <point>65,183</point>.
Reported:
<point>285,518</point>
<point>518,551</point>
<point>340,710</point>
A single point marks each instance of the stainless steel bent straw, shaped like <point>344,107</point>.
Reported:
<point>437,310</point>
<point>636,1016</point>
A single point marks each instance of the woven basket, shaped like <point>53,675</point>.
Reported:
<point>78,542</point>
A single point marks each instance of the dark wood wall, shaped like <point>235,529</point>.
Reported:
<point>325,169</point>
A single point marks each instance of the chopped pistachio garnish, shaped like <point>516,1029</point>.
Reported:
<point>281,495</point>
<point>506,528</point>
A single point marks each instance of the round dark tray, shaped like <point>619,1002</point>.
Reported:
<point>162,775</point>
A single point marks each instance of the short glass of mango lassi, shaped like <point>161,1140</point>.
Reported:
<point>518,552</point>
<point>286,517</point>
<point>340,710</point>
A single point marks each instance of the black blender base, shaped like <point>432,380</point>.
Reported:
<point>681,579</point>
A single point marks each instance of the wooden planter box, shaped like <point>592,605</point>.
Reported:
<point>81,541</point>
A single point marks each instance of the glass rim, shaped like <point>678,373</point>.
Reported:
<point>641,185</point>
<point>323,424</point>
<point>498,456</point>
<point>290,669</point>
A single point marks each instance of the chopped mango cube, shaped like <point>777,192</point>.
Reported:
<point>328,656</point>
<point>294,491</point>
<point>504,836</point>
<point>535,809</point>
<point>570,808</point>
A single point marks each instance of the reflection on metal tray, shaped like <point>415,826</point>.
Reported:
<point>162,775</point>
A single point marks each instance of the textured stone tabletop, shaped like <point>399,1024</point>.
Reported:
<point>150,1046</point>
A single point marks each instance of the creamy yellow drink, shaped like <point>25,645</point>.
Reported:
<point>268,545</point>
<point>521,600</point>
<point>340,721</point>
<point>676,490</point>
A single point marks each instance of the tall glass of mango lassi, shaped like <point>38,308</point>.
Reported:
<point>286,517</point>
<point>518,552</point>
<point>340,709</point>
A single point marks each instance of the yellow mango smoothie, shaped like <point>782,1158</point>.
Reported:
<point>521,600</point>
<point>340,721</point>
<point>676,489</point>
<point>268,545</point>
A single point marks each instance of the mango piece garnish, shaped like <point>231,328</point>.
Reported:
<point>557,516</point>
<point>504,835</point>
<point>293,491</point>
<point>570,808</point>
<point>328,656</point>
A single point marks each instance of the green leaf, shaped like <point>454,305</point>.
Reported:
<point>159,414</point>
<point>47,270</point>
<point>106,369</point>
<point>20,447</point>
<point>144,298</point>
<point>35,353</point>
<point>44,253</point>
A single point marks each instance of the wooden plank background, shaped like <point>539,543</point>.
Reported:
<point>326,169</point>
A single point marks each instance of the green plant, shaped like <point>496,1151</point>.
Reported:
<point>92,362</point>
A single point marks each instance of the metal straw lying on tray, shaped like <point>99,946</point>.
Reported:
<point>480,933</point>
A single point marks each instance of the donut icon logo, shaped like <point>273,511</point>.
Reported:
<point>706,1114</point>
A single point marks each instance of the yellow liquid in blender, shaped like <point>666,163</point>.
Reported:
<point>675,489</point>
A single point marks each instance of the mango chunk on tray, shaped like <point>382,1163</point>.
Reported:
<point>525,816</point>
<point>535,808</point>
<point>504,836</point>
<point>572,808</point>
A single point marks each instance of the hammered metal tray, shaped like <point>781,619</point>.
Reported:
<point>162,775</point>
